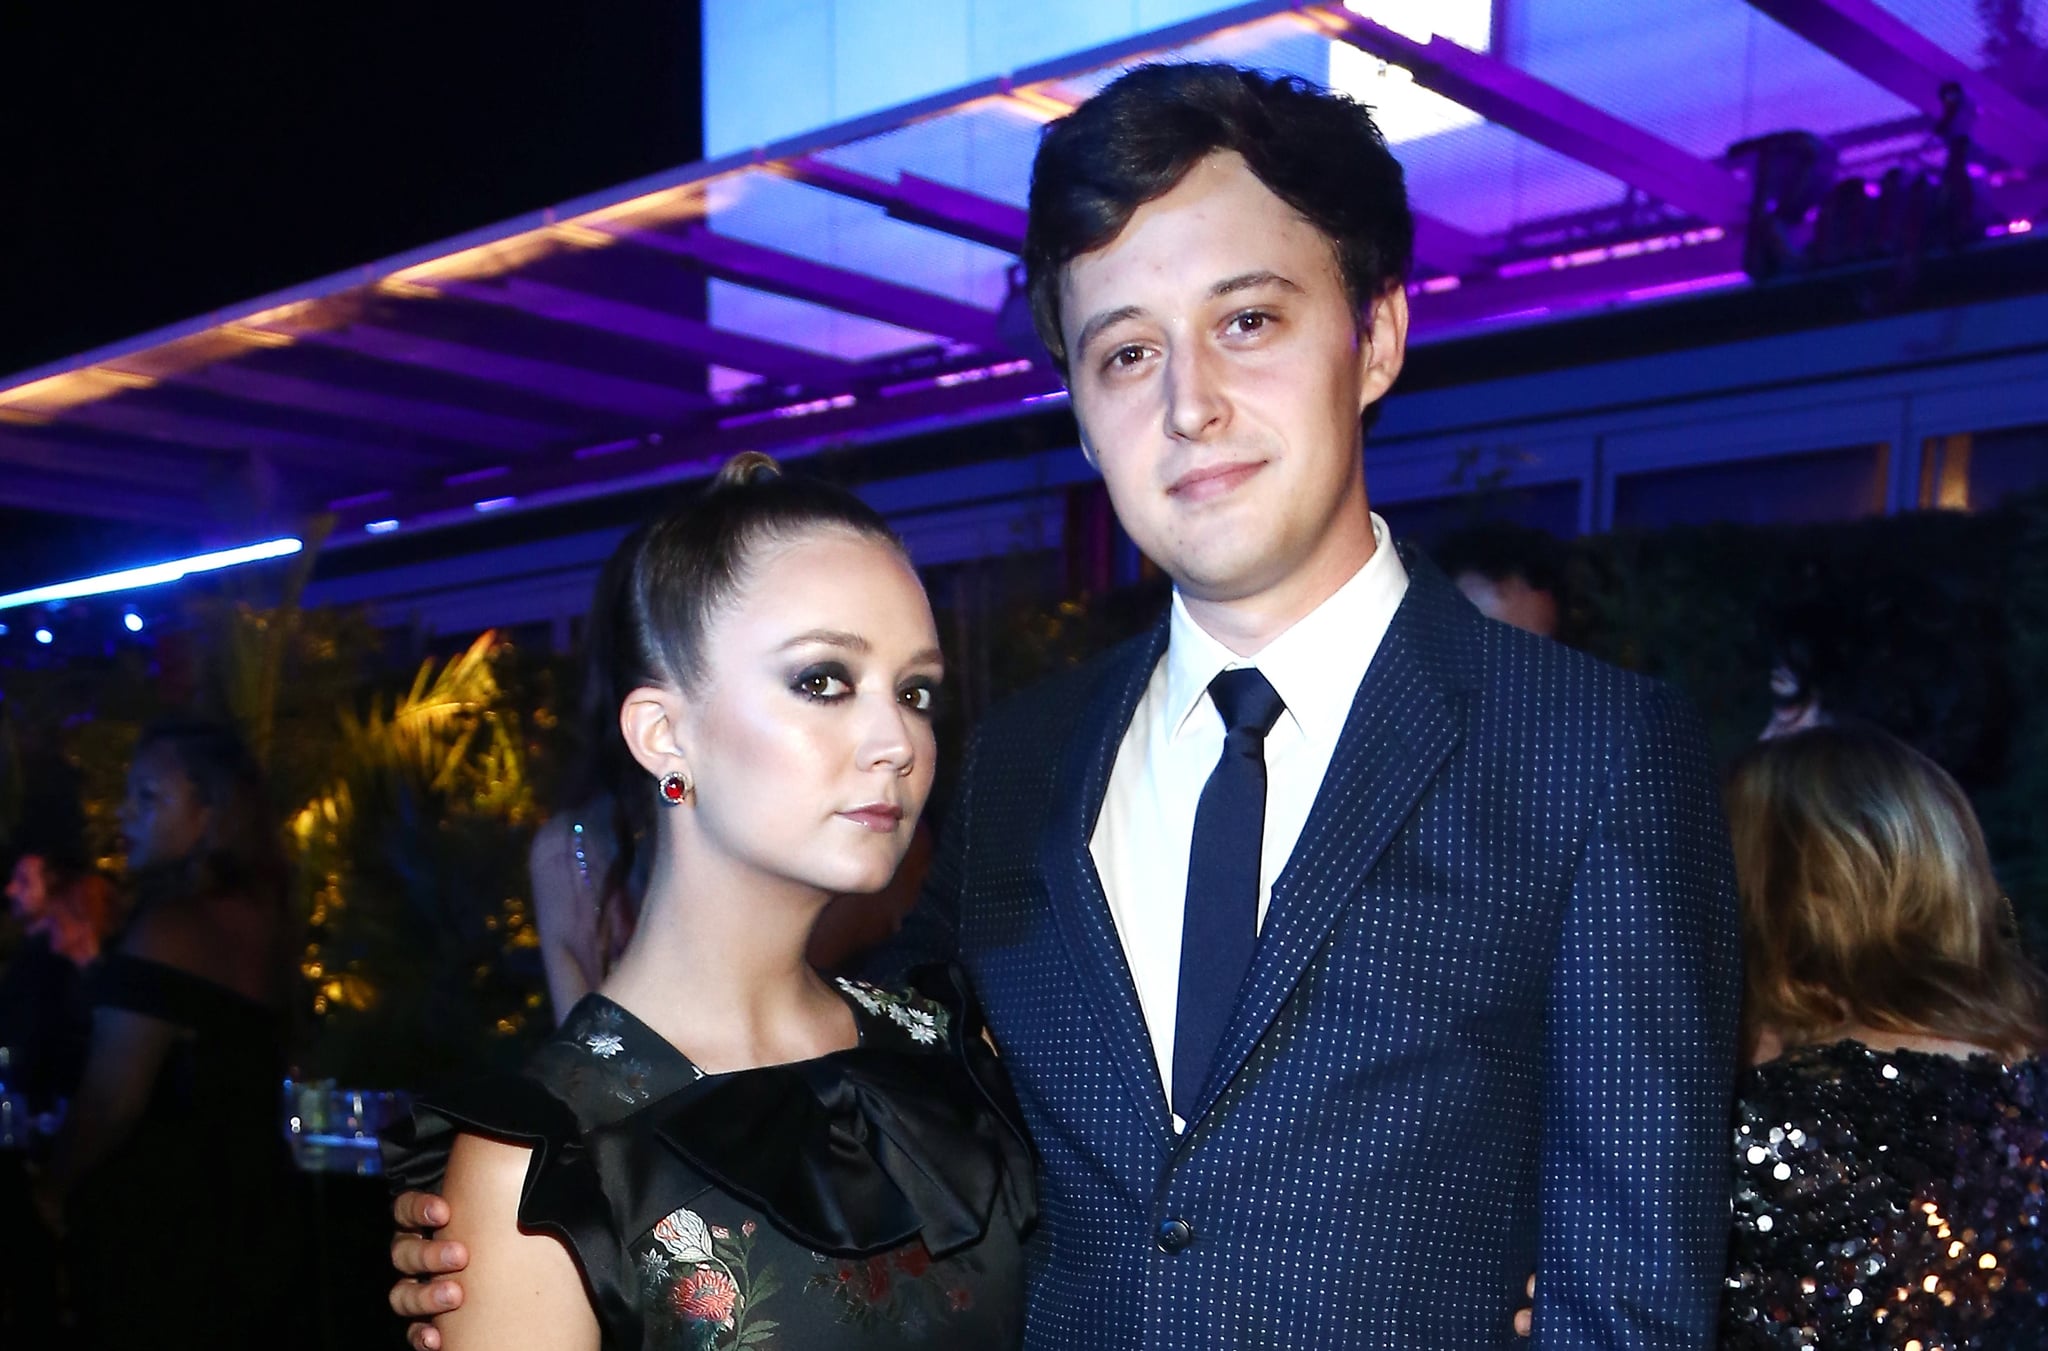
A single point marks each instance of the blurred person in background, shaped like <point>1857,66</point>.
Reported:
<point>172,1146</point>
<point>64,909</point>
<point>587,867</point>
<point>1513,573</point>
<point>1890,1160</point>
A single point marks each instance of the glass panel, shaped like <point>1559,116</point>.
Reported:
<point>1829,485</point>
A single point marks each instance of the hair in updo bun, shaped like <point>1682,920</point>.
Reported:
<point>694,560</point>
<point>749,466</point>
<point>671,577</point>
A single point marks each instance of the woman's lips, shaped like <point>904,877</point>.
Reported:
<point>879,816</point>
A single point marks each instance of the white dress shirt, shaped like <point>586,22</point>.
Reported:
<point>1147,825</point>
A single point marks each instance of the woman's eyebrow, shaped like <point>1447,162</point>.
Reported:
<point>853,642</point>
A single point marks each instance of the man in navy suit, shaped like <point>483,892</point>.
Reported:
<point>1354,955</point>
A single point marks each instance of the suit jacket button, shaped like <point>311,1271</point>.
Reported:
<point>1174,1235</point>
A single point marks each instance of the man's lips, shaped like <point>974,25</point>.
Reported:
<point>877,816</point>
<point>1213,480</point>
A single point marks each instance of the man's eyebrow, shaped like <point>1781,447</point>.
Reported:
<point>1248,280</point>
<point>852,642</point>
<point>1244,281</point>
<point>1093,328</point>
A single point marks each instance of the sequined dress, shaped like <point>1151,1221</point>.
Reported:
<point>1889,1199</point>
<point>875,1199</point>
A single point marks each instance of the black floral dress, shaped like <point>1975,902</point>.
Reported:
<point>1889,1199</point>
<point>877,1197</point>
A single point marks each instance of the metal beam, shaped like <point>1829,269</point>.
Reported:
<point>242,381</point>
<point>1879,46</point>
<point>1447,247</point>
<point>776,362</point>
<point>566,384</point>
<point>916,200</point>
<point>60,454</point>
<point>63,495</point>
<point>1549,116</point>
<point>856,293</point>
<point>937,401</point>
<point>320,452</point>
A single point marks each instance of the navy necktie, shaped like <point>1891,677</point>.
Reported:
<point>1221,924</point>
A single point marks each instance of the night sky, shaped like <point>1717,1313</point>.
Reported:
<point>161,161</point>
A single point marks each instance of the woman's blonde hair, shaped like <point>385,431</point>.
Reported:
<point>1868,898</point>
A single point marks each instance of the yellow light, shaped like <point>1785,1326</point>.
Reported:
<point>40,400</point>
<point>1037,104</point>
<point>582,236</point>
<point>256,337</point>
<point>405,288</point>
<point>1987,1261</point>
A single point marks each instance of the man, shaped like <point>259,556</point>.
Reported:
<point>1334,1022</point>
<point>1513,573</point>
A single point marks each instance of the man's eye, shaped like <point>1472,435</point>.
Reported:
<point>1126,355</point>
<point>1251,321</point>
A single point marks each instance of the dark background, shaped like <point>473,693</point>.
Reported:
<point>160,161</point>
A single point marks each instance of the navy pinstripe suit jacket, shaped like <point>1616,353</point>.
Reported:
<point>1490,1023</point>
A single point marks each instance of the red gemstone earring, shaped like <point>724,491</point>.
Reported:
<point>674,788</point>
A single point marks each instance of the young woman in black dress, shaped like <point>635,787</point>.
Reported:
<point>721,1148</point>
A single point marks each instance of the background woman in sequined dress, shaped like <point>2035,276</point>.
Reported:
<point>1889,1163</point>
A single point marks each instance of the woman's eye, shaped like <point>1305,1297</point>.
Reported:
<point>826,684</point>
<point>1126,356</point>
<point>919,698</point>
<point>1251,321</point>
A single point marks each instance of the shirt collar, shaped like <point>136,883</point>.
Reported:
<point>1315,666</point>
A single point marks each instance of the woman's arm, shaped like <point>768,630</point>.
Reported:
<point>521,1290</point>
<point>127,1050</point>
<point>562,912</point>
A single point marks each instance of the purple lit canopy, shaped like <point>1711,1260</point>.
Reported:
<point>854,283</point>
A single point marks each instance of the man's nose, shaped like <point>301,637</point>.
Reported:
<point>1195,402</point>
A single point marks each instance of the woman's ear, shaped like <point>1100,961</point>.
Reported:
<point>653,721</point>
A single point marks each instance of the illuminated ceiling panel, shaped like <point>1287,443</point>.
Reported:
<point>1562,156</point>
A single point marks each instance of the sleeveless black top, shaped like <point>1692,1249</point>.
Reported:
<point>873,1198</point>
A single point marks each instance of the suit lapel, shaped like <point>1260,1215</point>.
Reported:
<point>1075,888</point>
<point>1408,716</point>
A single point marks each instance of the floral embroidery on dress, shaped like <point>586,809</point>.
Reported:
<point>905,1289</point>
<point>701,1279</point>
<point>605,1045</point>
<point>925,1020</point>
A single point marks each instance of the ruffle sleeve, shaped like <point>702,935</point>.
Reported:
<point>856,1153</point>
<point>562,1195</point>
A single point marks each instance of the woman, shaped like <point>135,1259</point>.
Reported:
<point>720,1147</point>
<point>1890,1159</point>
<point>176,1118</point>
<point>587,865</point>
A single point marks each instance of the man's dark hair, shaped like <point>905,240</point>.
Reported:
<point>1315,150</point>
<point>1498,550</point>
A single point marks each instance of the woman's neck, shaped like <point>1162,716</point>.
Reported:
<point>717,967</point>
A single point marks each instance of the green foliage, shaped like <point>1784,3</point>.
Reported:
<point>422,958</point>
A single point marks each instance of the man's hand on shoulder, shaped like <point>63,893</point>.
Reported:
<point>417,1254</point>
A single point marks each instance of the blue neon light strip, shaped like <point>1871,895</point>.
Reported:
<point>156,574</point>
